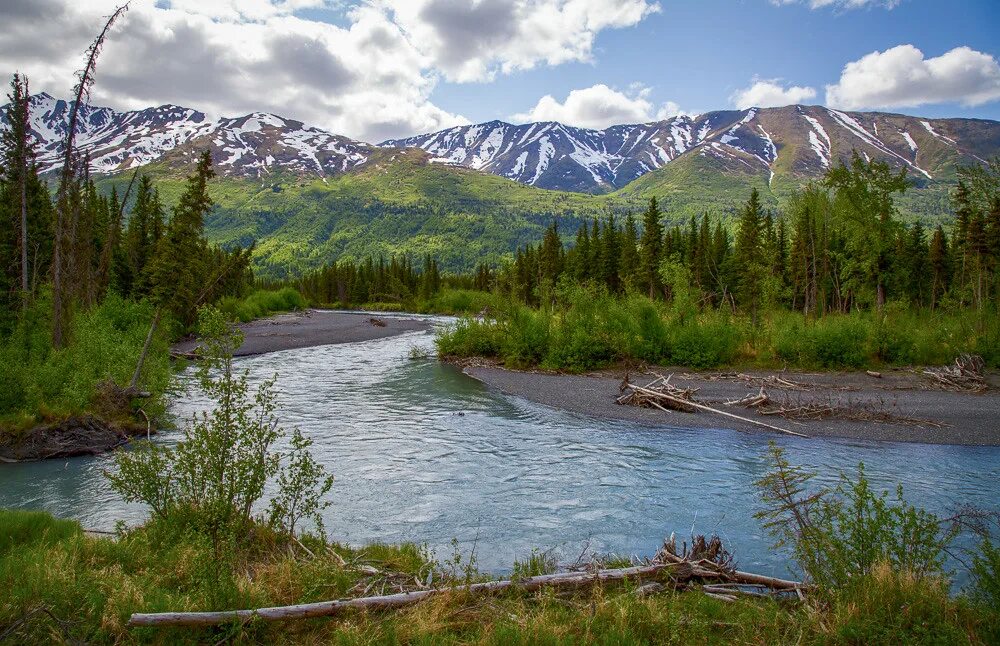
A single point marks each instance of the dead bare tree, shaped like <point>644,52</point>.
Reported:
<point>68,180</point>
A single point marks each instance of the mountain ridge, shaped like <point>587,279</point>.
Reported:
<point>796,142</point>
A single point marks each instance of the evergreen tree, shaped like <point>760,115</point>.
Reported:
<point>651,247</point>
<point>178,272</point>
<point>749,260</point>
<point>629,268</point>
<point>939,263</point>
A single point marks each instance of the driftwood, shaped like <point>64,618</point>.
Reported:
<point>660,394</point>
<point>806,408</point>
<point>967,374</point>
<point>705,563</point>
<point>328,608</point>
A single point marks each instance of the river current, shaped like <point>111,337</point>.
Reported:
<point>423,453</point>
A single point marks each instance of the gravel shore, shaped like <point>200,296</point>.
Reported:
<point>965,418</point>
<point>312,328</point>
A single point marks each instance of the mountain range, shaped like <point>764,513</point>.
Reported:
<point>306,196</point>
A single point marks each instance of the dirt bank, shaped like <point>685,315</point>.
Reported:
<point>312,328</point>
<point>79,435</point>
<point>935,416</point>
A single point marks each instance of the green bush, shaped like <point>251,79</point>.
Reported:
<point>261,303</point>
<point>40,382</point>
<point>846,532</point>
<point>704,345</point>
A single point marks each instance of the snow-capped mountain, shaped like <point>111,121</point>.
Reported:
<point>794,140</point>
<point>794,143</point>
<point>254,145</point>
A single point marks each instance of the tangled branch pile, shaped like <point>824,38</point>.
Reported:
<point>664,396</point>
<point>807,408</point>
<point>966,375</point>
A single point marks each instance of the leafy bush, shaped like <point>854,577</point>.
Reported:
<point>985,588</point>
<point>39,382</point>
<point>210,481</point>
<point>704,345</point>
<point>261,303</point>
<point>844,533</point>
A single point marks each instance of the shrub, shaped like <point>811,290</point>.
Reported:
<point>261,303</point>
<point>211,480</point>
<point>843,533</point>
<point>704,345</point>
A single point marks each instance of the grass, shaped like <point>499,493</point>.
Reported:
<point>40,383</point>
<point>91,586</point>
<point>590,330</point>
<point>261,303</point>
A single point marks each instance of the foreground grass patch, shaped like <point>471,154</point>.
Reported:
<point>89,587</point>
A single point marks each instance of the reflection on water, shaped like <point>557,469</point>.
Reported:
<point>423,453</point>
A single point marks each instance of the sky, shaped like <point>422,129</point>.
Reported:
<point>379,69</point>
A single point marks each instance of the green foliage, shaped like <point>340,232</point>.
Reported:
<point>537,564</point>
<point>210,481</point>
<point>985,588</point>
<point>710,343</point>
<point>38,382</point>
<point>261,303</point>
<point>843,534</point>
<point>302,484</point>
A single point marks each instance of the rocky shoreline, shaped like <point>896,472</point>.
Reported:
<point>907,407</point>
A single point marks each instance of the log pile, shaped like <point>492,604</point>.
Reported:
<point>703,567</point>
<point>967,374</point>
<point>662,395</point>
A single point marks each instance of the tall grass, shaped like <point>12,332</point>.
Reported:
<point>39,382</point>
<point>590,329</point>
<point>91,586</point>
<point>261,303</point>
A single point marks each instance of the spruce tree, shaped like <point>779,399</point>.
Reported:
<point>629,267</point>
<point>939,264</point>
<point>651,247</point>
<point>749,260</point>
<point>177,272</point>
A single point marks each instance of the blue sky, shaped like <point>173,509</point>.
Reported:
<point>375,69</point>
<point>698,53</point>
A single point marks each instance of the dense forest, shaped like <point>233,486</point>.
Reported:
<point>88,280</point>
<point>839,247</point>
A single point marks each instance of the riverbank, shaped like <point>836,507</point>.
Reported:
<point>64,585</point>
<point>313,328</point>
<point>920,413</point>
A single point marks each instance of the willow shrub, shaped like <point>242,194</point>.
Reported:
<point>261,303</point>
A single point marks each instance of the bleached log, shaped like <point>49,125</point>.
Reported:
<point>328,608</point>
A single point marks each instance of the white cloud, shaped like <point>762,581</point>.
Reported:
<point>370,76</point>
<point>599,106</point>
<point>841,4</point>
<point>770,93</point>
<point>473,40</point>
<point>365,80</point>
<point>902,77</point>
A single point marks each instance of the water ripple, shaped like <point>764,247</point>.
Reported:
<point>422,452</point>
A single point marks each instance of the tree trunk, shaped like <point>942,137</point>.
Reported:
<point>145,351</point>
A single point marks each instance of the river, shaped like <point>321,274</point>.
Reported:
<point>423,453</point>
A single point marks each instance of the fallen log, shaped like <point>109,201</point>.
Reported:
<point>328,608</point>
<point>681,400</point>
